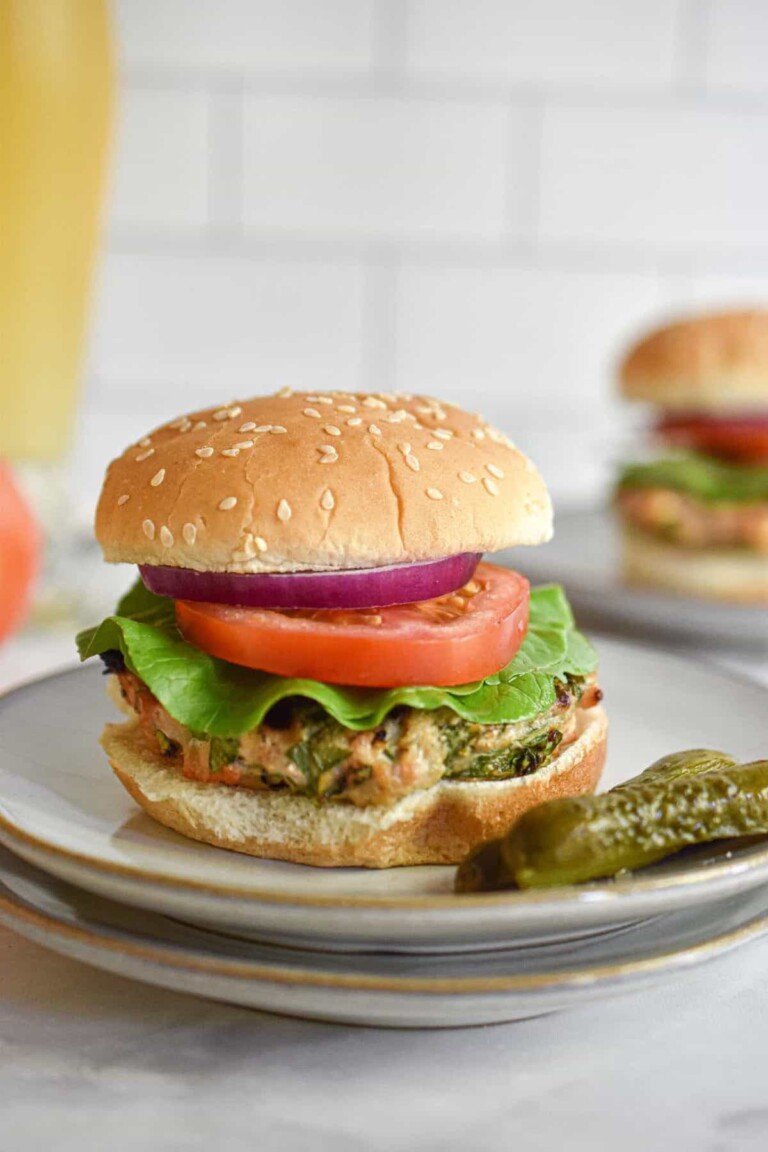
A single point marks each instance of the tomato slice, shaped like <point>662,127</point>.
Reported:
<point>742,438</point>
<point>452,639</point>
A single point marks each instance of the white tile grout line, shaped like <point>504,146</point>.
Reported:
<point>691,38</point>
<point>225,161</point>
<point>527,166</point>
<point>379,321</point>
<point>505,251</point>
<point>391,79</point>
<point>390,33</point>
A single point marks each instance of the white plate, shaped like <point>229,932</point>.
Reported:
<point>584,556</point>
<point>381,989</point>
<point>62,809</point>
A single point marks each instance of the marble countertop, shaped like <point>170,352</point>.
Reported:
<point>93,1061</point>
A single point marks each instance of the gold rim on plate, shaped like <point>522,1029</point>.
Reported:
<point>14,910</point>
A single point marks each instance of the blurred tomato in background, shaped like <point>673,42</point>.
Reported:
<point>20,550</point>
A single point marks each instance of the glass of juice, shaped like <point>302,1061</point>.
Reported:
<point>57,80</point>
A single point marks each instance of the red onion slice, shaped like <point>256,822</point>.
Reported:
<point>352,588</point>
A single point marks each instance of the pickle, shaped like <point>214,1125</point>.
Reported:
<point>692,762</point>
<point>683,799</point>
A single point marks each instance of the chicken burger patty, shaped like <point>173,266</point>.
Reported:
<point>302,750</point>
<point>682,519</point>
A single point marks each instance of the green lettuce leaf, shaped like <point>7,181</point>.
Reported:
<point>700,476</point>
<point>215,698</point>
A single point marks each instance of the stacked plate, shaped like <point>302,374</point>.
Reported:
<point>85,873</point>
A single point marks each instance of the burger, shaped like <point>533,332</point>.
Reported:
<point>695,515</point>
<point>315,664</point>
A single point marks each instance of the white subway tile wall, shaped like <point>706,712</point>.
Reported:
<point>383,166</point>
<point>476,198</point>
<point>592,42</point>
<point>161,172</point>
<point>295,36</point>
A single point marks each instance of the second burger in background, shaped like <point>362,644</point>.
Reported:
<point>695,516</point>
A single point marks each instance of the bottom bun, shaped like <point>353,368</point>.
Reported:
<point>439,825</point>
<point>740,577</point>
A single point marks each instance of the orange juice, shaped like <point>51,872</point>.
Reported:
<point>56,97</point>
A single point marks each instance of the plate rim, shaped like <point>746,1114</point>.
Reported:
<point>601,892</point>
<point>15,909</point>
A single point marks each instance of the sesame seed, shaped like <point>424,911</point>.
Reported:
<point>145,455</point>
<point>177,424</point>
<point>412,462</point>
<point>185,427</point>
<point>490,486</point>
<point>244,444</point>
<point>277,429</point>
<point>204,452</point>
<point>440,415</point>
<point>158,478</point>
<point>189,532</point>
<point>222,414</point>
<point>313,412</point>
<point>346,408</point>
<point>436,445</point>
<point>442,433</point>
<point>284,392</point>
<point>374,430</point>
<point>405,448</point>
<point>353,423</point>
<point>261,428</point>
<point>331,429</point>
<point>249,426</point>
<point>328,459</point>
<point>199,426</point>
<point>284,511</point>
<point>148,528</point>
<point>260,543</point>
<point>166,537</point>
<point>397,417</point>
<point>467,477</point>
<point>495,471</point>
<point>227,504</point>
<point>122,500</point>
<point>321,399</point>
<point>230,451</point>
<point>145,443</point>
<point>248,550</point>
<point>236,411</point>
<point>373,402</point>
<point>327,501</point>
<point>434,494</point>
<point>478,434</point>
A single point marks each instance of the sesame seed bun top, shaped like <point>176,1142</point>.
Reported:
<point>312,481</point>
<point>711,362</point>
